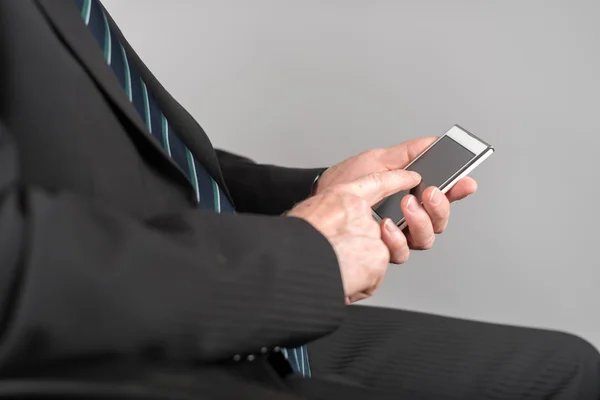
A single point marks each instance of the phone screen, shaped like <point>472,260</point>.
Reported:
<point>436,166</point>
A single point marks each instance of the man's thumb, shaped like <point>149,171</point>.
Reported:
<point>379,185</point>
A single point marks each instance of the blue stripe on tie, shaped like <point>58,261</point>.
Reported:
<point>217,196</point>
<point>156,119</point>
<point>226,206</point>
<point>127,74</point>
<point>179,153</point>
<point>96,22</point>
<point>84,6</point>
<point>107,41</point>
<point>165,131</point>
<point>175,148</point>
<point>193,175</point>
<point>137,93</point>
<point>302,360</point>
<point>147,116</point>
<point>293,361</point>
<point>297,360</point>
<point>118,63</point>
<point>205,187</point>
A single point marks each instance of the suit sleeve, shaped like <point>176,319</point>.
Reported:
<point>78,279</point>
<point>265,189</point>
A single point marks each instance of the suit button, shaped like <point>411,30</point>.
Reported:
<point>250,357</point>
<point>237,358</point>
<point>264,350</point>
<point>276,349</point>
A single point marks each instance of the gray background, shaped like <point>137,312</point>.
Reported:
<point>311,82</point>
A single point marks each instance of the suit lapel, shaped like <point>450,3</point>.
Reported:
<point>188,130</point>
<point>65,18</point>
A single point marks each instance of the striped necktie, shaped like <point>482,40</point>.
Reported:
<point>208,193</point>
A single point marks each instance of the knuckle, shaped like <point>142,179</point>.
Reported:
<point>373,153</point>
<point>338,191</point>
<point>359,204</point>
<point>399,250</point>
<point>342,197</point>
<point>422,219</point>
<point>377,179</point>
<point>422,224</point>
<point>441,228</point>
<point>401,256</point>
<point>427,244</point>
<point>443,216</point>
<point>405,256</point>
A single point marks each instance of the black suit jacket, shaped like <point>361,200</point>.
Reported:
<point>103,252</point>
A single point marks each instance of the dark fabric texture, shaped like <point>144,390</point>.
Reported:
<point>265,189</point>
<point>376,354</point>
<point>422,356</point>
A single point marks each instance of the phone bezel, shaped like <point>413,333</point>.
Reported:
<point>475,145</point>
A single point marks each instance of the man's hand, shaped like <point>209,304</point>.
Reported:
<point>342,213</point>
<point>424,221</point>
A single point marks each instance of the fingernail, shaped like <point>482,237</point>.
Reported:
<point>411,205</point>
<point>415,175</point>
<point>390,226</point>
<point>436,196</point>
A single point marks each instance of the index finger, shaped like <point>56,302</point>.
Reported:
<point>400,155</point>
<point>379,185</point>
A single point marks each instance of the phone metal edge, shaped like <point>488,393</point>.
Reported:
<point>467,140</point>
<point>474,136</point>
<point>450,182</point>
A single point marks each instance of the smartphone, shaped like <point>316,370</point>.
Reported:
<point>449,159</point>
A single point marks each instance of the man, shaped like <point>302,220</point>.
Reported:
<point>126,273</point>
